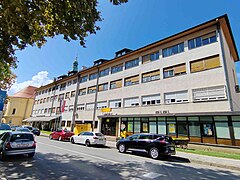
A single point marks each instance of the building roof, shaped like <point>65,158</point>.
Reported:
<point>28,92</point>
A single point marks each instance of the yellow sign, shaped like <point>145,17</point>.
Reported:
<point>106,109</point>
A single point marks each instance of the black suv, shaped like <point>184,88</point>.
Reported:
<point>154,144</point>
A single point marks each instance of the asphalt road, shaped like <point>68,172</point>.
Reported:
<point>63,160</point>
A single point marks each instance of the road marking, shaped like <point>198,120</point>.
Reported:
<point>152,175</point>
<point>115,162</point>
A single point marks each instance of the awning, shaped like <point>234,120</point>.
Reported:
<point>40,119</point>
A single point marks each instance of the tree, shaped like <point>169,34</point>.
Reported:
<point>31,22</point>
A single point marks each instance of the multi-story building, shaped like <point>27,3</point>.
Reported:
<point>184,85</point>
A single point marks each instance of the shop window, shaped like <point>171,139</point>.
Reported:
<point>150,57</point>
<point>150,76</point>
<point>205,64</point>
<point>194,128</point>
<point>130,126</point>
<point>182,129</point>
<point>209,94</point>
<point>131,80</point>
<point>161,125</point>
<point>171,128</point>
<point>116,84</point>
<point>222,130</point>
<point>236,128</point>
<point>176,97</point>
<point>174,70</point>
<point>173,50</point>
<point>207,130</point>
<point>137,125</point>
<point>152,127</point>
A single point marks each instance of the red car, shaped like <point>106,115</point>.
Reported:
<point>61,134</point>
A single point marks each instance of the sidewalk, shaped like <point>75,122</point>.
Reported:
<point>201,159</point>
<point>195,158</point>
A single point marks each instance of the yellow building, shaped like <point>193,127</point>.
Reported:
<point>19,106</point>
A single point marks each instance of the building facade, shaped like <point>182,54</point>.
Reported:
<point>184,85</point>
<point>19,106</point>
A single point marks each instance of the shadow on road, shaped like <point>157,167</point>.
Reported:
<point>55,166</point>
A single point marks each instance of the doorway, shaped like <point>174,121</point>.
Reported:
<point>109,126</point>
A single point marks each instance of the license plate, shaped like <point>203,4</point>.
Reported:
<point>22,145</point>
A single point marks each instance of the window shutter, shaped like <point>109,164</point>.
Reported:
<point>197,66</point>
<point>212,62</point>
<point>180,69</point>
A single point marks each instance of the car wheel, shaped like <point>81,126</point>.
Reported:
<point>72,141</point>
<point>50,137</point>
<point>87,143</point>
<point>60,138</point>
<point>30,155</point>
<point>154,153</point>
<point>122,148</point>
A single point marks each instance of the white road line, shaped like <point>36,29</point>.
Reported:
<point>76,152</point>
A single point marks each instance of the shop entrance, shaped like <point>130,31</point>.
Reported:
<point>109,126</point>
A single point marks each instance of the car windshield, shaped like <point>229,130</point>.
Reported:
<point>162,137</point>
<point>22,129</point>
<point>21,137</point>
<point>99,134</point>
<point>4,127</point>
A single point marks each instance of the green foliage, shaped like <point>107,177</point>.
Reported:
<point>30,22</point>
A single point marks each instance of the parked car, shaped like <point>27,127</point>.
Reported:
<point>34,130</point>
<point>14,143</point>
<point>4,128</point>
<point>61,134</point>
<point>89,138</point>
<point>154,144</point>
<point>21,129</point>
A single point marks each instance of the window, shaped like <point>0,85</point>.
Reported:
<point>222,130</point>
<point>205,64</point>
<point>62,86</point>
<point>67,95</point>
<point>73,93</point>
<point>174,70</point>
<point>173,50</point>
<point>89,106</point>
<point>53,110</point>
<point>203,40</point>
<point>115,103</point>
<point>132,63</point>
<point>150,57</point>
<point>60,97</point>
<point>44,100</point>
<point>104,72</point>
<point>150,76</point>
<point>14,111</point>
<point>82,91</point>
<point>176,97</point>
<point>151,100</point>
<point>236,126</point>
<point>58,110</point>
<point>83,79</point>
<point>131,102</point>
<point>93,76</point>
<point>209,93</point>
<point>117,68</point>
<point>69,83</point>
<point>70,108</point>
<point>74,81</point>
<point>101,105</point>
<point>103,87</point>
<point>92,89</point>
<point>131,80</point>
<point>116,84</point>
<point>48,98</point>
<point>80,107</point>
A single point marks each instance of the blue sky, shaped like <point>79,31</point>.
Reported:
<point>132,25</point>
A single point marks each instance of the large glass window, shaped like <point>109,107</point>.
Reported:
<point>209,93</point>
<point>203,40</point>
<point>176,97</point>
<point>151,76</point>
<point>205,64</point>
<point>174,70</point>
<point>117,68</point>
<point>222,130</point>
<point>236,128</point>
<point>132,63</point>
<point>93,76</point>
<point>83,79</point>
<point>104,72</point>
<point>152,126</point>
<point>173,50</point>
<point>171,126</point>
<point>161,125</point>
<point>137,125</point>
<point>150,57</point>
<point>131,80</point>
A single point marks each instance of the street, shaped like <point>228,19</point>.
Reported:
<point>63,160</point>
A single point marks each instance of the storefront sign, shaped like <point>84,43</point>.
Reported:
<point>106,110</point>
<point>162,112</point>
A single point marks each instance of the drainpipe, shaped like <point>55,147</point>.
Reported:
<point>225,67</point>
<point>75,103</point>
<point>54,83</point>
<point>95,100</point>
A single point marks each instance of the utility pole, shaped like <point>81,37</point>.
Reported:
<point>95,100</point>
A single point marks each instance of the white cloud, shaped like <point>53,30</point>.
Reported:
<point>38,80</point>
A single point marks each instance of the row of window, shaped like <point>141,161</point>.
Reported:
<point>200,94</point>
<point>195,66</point>
<point>193,43</point>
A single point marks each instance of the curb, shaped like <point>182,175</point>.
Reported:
<point>190,159</point>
